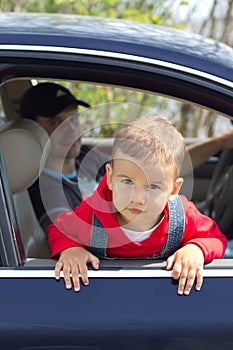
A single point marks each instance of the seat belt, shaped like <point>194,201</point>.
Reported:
<point>99,236</point>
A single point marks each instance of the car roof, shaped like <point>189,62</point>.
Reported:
<point>114,35</point>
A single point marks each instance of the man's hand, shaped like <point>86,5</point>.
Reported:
<point>73,261</point>
<point>187,264</point>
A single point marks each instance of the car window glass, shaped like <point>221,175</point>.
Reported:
<point>194,122</point>
<point>111,105</point>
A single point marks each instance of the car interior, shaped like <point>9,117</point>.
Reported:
<point>24,144</point>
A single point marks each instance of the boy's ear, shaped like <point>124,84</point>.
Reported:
<point>176,188</point>
<point>109,175</point>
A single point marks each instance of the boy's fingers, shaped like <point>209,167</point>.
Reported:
<point>186,282</point>
<point>199,281</point>
<point>58,268</point>
<point>182,283</point>
<point>190,281</point>
<point>170,262</point>
<point>84,273</point>
<point>75,279</point>
<point>67,277</point>
<point>94,261</point>
<point>177,270</point>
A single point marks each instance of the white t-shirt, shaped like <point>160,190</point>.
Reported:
<point>138,237</point>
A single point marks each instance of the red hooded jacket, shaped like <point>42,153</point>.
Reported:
<point>74,228</point>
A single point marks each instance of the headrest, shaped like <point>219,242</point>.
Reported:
<point>23,143</point>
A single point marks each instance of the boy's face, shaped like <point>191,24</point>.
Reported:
<point>140,192</point>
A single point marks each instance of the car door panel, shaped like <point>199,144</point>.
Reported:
<point>130,313</point>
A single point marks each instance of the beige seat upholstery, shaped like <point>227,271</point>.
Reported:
<point>25,147</point>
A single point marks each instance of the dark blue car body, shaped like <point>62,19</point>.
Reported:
<point>128,304</point>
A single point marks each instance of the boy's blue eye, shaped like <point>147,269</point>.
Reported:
<point>153,187</point>
<point>127,181</point>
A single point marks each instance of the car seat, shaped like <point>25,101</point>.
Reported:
<point>24,145</point>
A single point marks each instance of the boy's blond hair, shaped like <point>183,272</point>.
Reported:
<point>146,138</point>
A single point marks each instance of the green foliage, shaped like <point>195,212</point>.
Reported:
<point>111,106</point>
<point>152,11</point>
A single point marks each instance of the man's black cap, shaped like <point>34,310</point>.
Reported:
<point>47,100</point>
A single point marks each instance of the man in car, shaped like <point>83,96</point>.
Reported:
<point>62,183</point>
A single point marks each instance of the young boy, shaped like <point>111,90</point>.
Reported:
<point>136,212</point>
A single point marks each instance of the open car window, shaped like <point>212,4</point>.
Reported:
<point>110,106</point>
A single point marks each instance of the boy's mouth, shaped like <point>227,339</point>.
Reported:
<point>135,210</point>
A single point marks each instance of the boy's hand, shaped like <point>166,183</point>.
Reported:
<point>187,264</point>
<point>73,261</point>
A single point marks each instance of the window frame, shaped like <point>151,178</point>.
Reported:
<point>154,76</point>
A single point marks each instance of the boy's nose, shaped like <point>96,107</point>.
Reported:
<point>139,197</point>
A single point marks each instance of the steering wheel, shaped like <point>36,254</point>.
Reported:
<point>220,193</point>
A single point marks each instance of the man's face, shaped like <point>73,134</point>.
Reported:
<point>64,131</point>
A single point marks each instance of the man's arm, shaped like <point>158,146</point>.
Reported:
<point>201,151</point>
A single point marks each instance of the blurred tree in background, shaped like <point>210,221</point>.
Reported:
<point>217,22</point>
<point>153,11</point>
<point>211,18</point>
